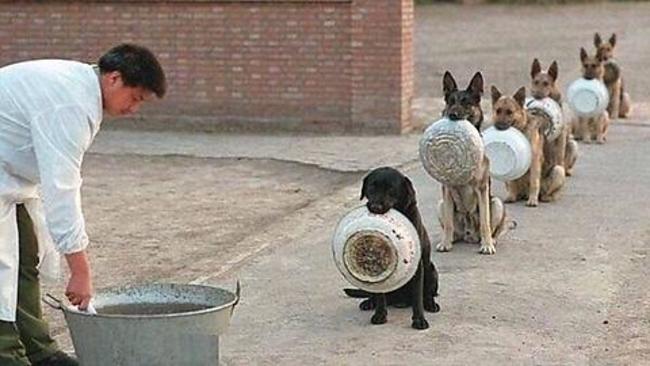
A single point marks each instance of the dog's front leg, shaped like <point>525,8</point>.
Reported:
<point>535,173</point>
<point>419,322</point>
<point>487,243</point>
<point>446,218</point>
<point>614,99</point>
<point>379,317</point>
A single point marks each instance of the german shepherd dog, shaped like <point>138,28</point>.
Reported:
<point>619,100</point>
<point>387,188</point>
<point>591,128</point>
<point>564,149</point>
<point>545,177</point>
<point>469,212</point>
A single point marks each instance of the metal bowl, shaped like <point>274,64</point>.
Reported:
<point>376,253</point>
<point>451,151</point>
<point>509,153</point>
<point>587,98</point>
<point>553,110</point>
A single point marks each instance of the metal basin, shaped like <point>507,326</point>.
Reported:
<point>155,324</point>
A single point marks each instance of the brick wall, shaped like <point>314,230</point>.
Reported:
<point>319,65</point>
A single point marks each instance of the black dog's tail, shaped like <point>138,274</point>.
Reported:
<point>355,292</point>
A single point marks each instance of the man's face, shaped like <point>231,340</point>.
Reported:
<point>119,99</point>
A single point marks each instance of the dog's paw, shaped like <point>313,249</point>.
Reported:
<point>569,172</point>
<point>532,202</point>
<point>600,141</point>
<point>487,249</point>
<point>420,323</point>
<point>367,305</point>
<point>443,247</point>
<point>431,306</point>
<point>510,199</point>
<point>378,318</point>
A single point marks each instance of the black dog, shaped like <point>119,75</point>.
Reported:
<point>387,188</point>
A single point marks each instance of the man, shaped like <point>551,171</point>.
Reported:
<point>50,111</point>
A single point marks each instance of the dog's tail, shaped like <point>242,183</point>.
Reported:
<point>355,292</point>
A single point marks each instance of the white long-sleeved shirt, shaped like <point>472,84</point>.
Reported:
<point>50,111</point>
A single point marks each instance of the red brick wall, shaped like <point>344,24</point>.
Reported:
<point>324,65</point>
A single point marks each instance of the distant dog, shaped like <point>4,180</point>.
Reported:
<point>545,177</point>
<point>387,188</point>
<point>620,104</point>
<point>469,212</point>
<point>591,128</point>
<point>564,149</point>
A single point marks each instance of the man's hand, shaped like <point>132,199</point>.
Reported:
<point>80,287</point>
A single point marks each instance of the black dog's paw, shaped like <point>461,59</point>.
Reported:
<point>367,305</point>
<point>431,306</point>
<point>420,323</point>
<point>379,318</point>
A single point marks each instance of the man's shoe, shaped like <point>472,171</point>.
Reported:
<point>59,358</point>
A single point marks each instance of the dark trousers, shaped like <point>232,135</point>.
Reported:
<point>28,339</point>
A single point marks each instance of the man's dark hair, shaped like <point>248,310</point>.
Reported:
<point>137,65</point>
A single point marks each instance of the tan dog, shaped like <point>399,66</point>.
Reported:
<point>564,149</point>
<point>591,128</point>
<point>620,104</point>
<point>469,212</point>
<point>544,178</point>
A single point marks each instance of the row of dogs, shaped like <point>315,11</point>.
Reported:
<point>470,213</point>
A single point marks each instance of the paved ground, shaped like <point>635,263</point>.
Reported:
<point>566,288</point>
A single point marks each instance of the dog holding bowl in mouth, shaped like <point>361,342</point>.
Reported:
<point>544,178</point>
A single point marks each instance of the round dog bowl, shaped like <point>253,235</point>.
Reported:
<point>553,110</point>
<point>451,151</point>
<point>587,98</point>
<point>376,253</point>
<point>509,153</point>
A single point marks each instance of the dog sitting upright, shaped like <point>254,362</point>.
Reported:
<point>469,212</point>
<point>545,178</point>
<point>619,100</point>
<point>564,149</point>
<point>387,188</point>
<point>591,128</point>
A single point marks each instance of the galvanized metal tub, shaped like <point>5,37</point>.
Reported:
<point>553,111</point>
<point>154,324</point>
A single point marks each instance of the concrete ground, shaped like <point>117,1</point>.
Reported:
<point>567,287</point>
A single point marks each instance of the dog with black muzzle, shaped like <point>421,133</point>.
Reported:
<point>386,188</point>
<point>469,212</point>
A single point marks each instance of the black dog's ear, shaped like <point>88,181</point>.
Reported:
<point>363,188</point>
<point>448,84</point>
<point>476,84</point>
<point>612,40</point>
<point>597,40</point>
<point>410,191</point>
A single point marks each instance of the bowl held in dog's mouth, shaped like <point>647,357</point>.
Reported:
<point>587,98</point>
<point>509,152</point>
<point>376,253</point>
<point>553,111</point>
<point>451,151</point>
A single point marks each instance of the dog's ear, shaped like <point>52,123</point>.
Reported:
<point>476,84</point>
<point>535,69</point>
<point>363,188</point>
<point>553,70</point>
<point>520,96</point>
<point>583,54</point>
<point>448,84</point>
<point>410,191</point>
<point>597,40</point>
<point>612,40</point>
<point>496,94</point>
